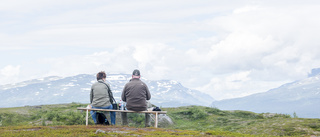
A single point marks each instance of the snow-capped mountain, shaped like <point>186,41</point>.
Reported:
<point>300,97</point>
<point>56,90</point>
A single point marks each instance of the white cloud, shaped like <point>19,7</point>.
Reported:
<point>18,6</point>
<point>237,84</point>
<point>246,9</point>
<point>264,40</point>
<point>226,49</point>
<point>10,70</point>
<point>153,59</point>
<point>117,61</point>
<point>9,73</point>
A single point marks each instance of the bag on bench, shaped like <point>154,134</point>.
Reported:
<point>156,109</point>
<point>101,119</point>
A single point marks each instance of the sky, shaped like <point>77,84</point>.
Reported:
<point>226,49</point>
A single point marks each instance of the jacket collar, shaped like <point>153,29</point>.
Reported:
<point>101,81</point>
<point>134,79</point>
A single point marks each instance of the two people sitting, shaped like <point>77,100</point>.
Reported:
<point>135,93</point>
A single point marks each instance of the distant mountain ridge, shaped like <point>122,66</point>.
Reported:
<point>56,90</point>
<point>301,97</point>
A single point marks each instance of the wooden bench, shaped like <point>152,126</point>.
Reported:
<point>124,117</point>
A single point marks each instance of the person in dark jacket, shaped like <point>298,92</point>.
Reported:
<point>99,97</point>
<point>136,94</point>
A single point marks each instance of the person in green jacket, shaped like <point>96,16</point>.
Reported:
<point>99,97</point>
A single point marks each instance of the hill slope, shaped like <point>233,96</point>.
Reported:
<point>300,97</point>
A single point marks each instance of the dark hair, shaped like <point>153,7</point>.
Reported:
<point>101,75</point>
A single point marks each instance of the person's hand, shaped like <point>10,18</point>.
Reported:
<point>89,106</point>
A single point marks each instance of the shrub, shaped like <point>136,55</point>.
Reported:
<point>194,113</point>
<point>315,126</point>
<point>215,111</point>
<point>12,119</point>
<point>246,114</point>
<point>198,113</point>
<point>75,118</point>
<point>137,119</point>
<point>52,115</point>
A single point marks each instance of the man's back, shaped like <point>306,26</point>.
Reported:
<point>135,93</point>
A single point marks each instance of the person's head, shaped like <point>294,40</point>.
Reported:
<point>136,74</point>
<point>101,75</point>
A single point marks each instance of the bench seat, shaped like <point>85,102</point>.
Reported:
<point>124,111</point>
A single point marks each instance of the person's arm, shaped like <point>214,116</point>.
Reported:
<point>123,96</point>
<point>148,93</point>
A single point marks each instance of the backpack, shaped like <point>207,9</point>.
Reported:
<point>156,109</point>
<point>102,119</point>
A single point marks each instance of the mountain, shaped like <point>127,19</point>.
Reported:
<point>55,90</point>
<point>301,97</point>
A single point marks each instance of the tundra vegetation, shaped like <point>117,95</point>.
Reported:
<point>66,120</point>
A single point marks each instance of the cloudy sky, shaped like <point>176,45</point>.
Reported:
<point>227,49</point>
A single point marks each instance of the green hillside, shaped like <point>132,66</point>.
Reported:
<point>191,120</point>
<point>205,118</point>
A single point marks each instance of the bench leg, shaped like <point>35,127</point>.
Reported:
<point>87,117</point>
<point>156,121</point>
<point>124,118</point>
<point>147,120</point>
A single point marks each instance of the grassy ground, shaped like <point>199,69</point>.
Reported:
<point>81,130</point>
<point>66,120</point>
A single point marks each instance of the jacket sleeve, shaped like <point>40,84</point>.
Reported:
<point>123,95</point>
<point>148,93</point>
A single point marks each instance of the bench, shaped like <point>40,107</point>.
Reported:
<point>124,117</point>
